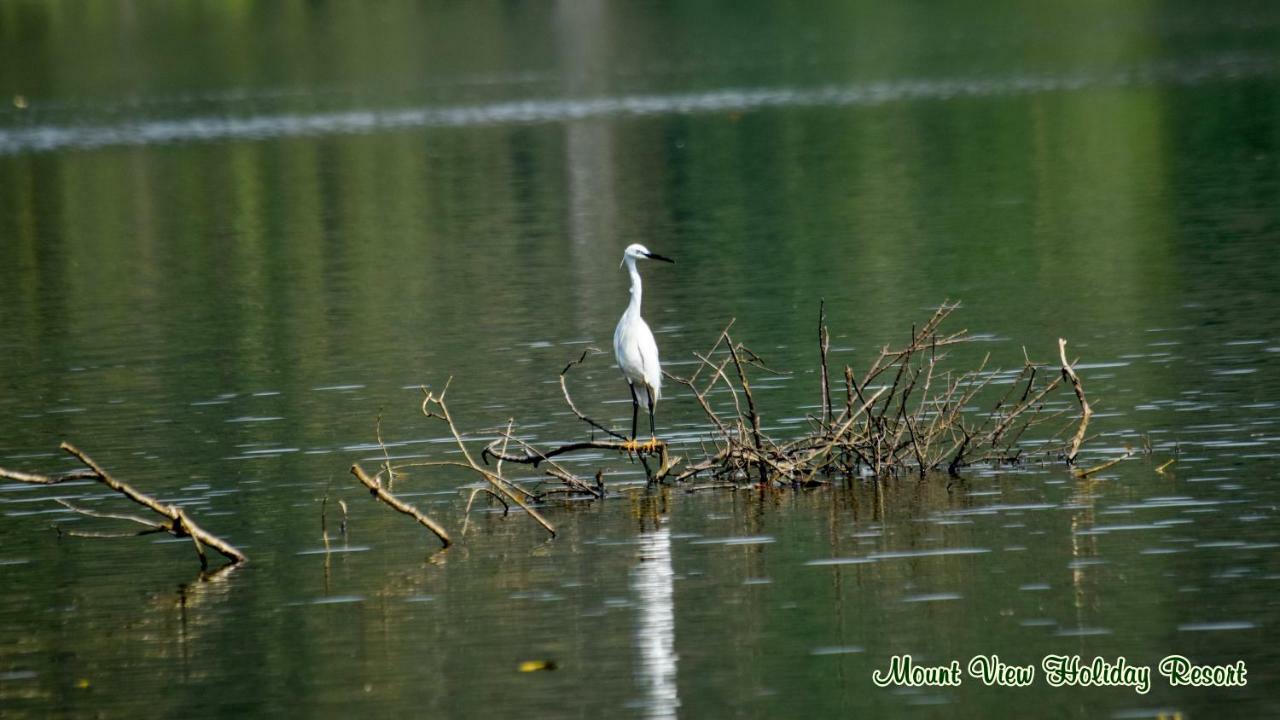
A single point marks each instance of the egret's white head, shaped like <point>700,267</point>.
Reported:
<point>636,251</point>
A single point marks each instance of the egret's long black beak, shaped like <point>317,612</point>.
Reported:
<point>656,256</point>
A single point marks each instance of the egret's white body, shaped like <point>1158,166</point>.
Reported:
<point>634,346</point>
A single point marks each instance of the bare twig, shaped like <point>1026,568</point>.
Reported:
<point>757,443</point>
<point>1082,473</point>
<point>151,525</point>
<point>501,484</point>
<point>824,346</point>
<point>38,479</point>
<point>182,524</point>
<point>564,388</point>
<point>1085,411</point>
<point>179,523</point>
<point>386,456</point>
<point>382,494</point>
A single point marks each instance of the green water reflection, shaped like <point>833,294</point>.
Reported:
<point>222,319</point>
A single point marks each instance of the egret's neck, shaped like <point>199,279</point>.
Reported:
<point>633,308</point>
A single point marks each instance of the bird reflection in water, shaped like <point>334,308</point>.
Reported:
<point>653,582</point>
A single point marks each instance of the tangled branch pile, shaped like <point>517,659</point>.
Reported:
<point>908,412</point>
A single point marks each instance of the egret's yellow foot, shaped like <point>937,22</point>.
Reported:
<point>636,446</point>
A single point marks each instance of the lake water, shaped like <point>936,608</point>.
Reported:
<point>234,236</point>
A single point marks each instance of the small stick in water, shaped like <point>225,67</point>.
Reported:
<point>1085,411</point>
<point>399,505</point>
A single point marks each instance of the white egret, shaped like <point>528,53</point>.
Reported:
<point>634,346</point>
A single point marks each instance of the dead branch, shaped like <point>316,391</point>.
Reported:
<point>1085,411</point>
<point>324,519</point>
<point>179,523</point>
<point>466,514</point>
<point>38,479</point>
<point>384,495</point>
<point>434,406</point>
<point>757,442</point>
<point>386,456</point>
<point>530,455</point>
<point>505,437</point>
<point>1083,473</point>
<point>506,508</point>
<point>564,388</point>
<point>824,346</point>
<point>906,412</point>
<point>713,486</point>
<point>151,525</point>
<point>573,482</point>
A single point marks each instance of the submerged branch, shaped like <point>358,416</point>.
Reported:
<point>434,406</point>
<point>38,479</point>
<point>383,495</point>
<point>1085,411</point>
<point>183,525</point>
<point>533,456</point>
<point>1083,473</point>
<point>179,523</point>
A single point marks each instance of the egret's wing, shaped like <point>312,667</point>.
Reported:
<point>647,348</point>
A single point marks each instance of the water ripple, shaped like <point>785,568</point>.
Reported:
<point>46,138</point>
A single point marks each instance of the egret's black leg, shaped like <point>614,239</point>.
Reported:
<point>653,405</point>
<point>635,410</point>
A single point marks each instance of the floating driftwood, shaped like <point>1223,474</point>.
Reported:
<point>177,523</point>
